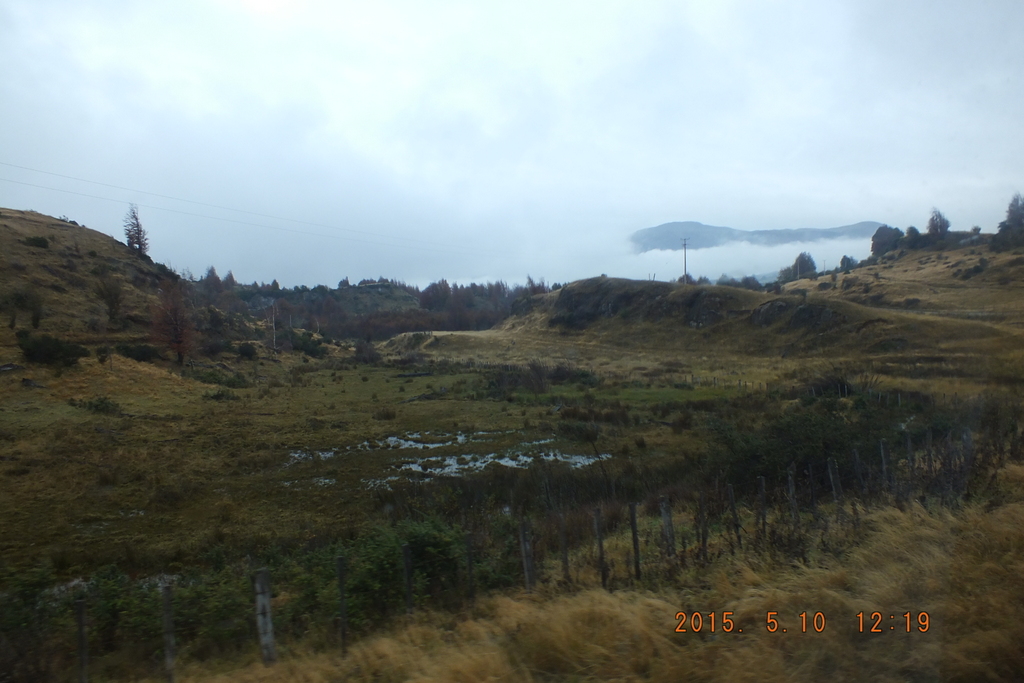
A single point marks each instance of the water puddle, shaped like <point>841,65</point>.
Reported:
<point>521,455</point>
<point>297,457</point>
<point>420,441</point>
<point>319,481</point>
<point>458,465</point>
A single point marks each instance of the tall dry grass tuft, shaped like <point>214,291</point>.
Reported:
<point>963,568</point>
<point>984,616</point>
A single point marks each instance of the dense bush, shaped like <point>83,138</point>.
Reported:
<point>307,344</point>
<point>144,353</point>
<point>213,376</point>
<point>535,378</point>
<point>214,346</point>
<point>221,394</point>
<point>49,350</point>
<point>247,350</point>
<point>1011,230</point>
<point>40,242</point>
<point>885,239</point>
<point>101,404</point>
<point>366,352</point>
<point>587,432</point>
<point>385,413</point>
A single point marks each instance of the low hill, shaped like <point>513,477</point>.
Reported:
<point>59,263</point>
<point>54,266</point>
<point>941,322</point>
<point>670,235</point>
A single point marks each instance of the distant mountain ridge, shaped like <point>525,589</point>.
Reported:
<point>700,236</point>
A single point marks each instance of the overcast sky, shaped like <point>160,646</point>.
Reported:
<point>479,141</point>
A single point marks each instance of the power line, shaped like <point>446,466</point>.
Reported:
<point>232,220</point>
<point>187,201</point>
<point>198,203</point>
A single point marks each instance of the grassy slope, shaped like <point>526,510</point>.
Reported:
<point>963,338</point>
<point>65,274</point>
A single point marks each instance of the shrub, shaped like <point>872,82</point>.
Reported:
<point>366,352</point>
<point>885,239</point>
<point>221,394</point>
<point>144,353</point>
<point>49,350</point>
<point>247,350</point>
<point>101,404</point>
<point>307,344</point>
<point>586,432</point>
<point>214,346</point>
<point>234,381</point>
<point>40,242</point>
<point>384,413</point>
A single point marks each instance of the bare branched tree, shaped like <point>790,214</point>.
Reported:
<point>938,225</point>
<point>172,322</point>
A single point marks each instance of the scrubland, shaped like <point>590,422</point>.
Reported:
<point>119,476</point>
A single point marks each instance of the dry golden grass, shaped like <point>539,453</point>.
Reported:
<point>961,337</point>
<point>962,568</point>
<point>64,275</point>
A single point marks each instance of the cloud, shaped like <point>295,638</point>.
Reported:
<point>501,136</point>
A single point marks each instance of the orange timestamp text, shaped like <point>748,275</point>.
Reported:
<point>804,622</point>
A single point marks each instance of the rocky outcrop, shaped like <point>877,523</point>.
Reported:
<point>770,312</point>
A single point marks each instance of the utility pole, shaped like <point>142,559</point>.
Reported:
<point>685,278</point>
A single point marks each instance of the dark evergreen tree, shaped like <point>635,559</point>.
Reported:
<point>134,233</point>
<point>938,225</point>
<point>885,239</point>
<point>1011,230</point>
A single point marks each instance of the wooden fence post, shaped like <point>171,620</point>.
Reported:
<point>859,472</point>
<point>83,642</point>
<point>837,486</point>
<point>885,468</point>
<point>342,567</point>
<point>735,517</point>
<point>598,532</point>
<point>814,490</point>
<point>703,528</point>
<point>168,633</point>
<point>469,567</point>
<point>264,621</point>
<point>407,567</point>
<point>667,534</point>
<point>763,511</point>
<point>527,552</point>
<point>928,450</point>
<point>636,540</point>
<point>911,458</point>
<point>791,489</point>
<point>563,546</point>
<point>967,448</point>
